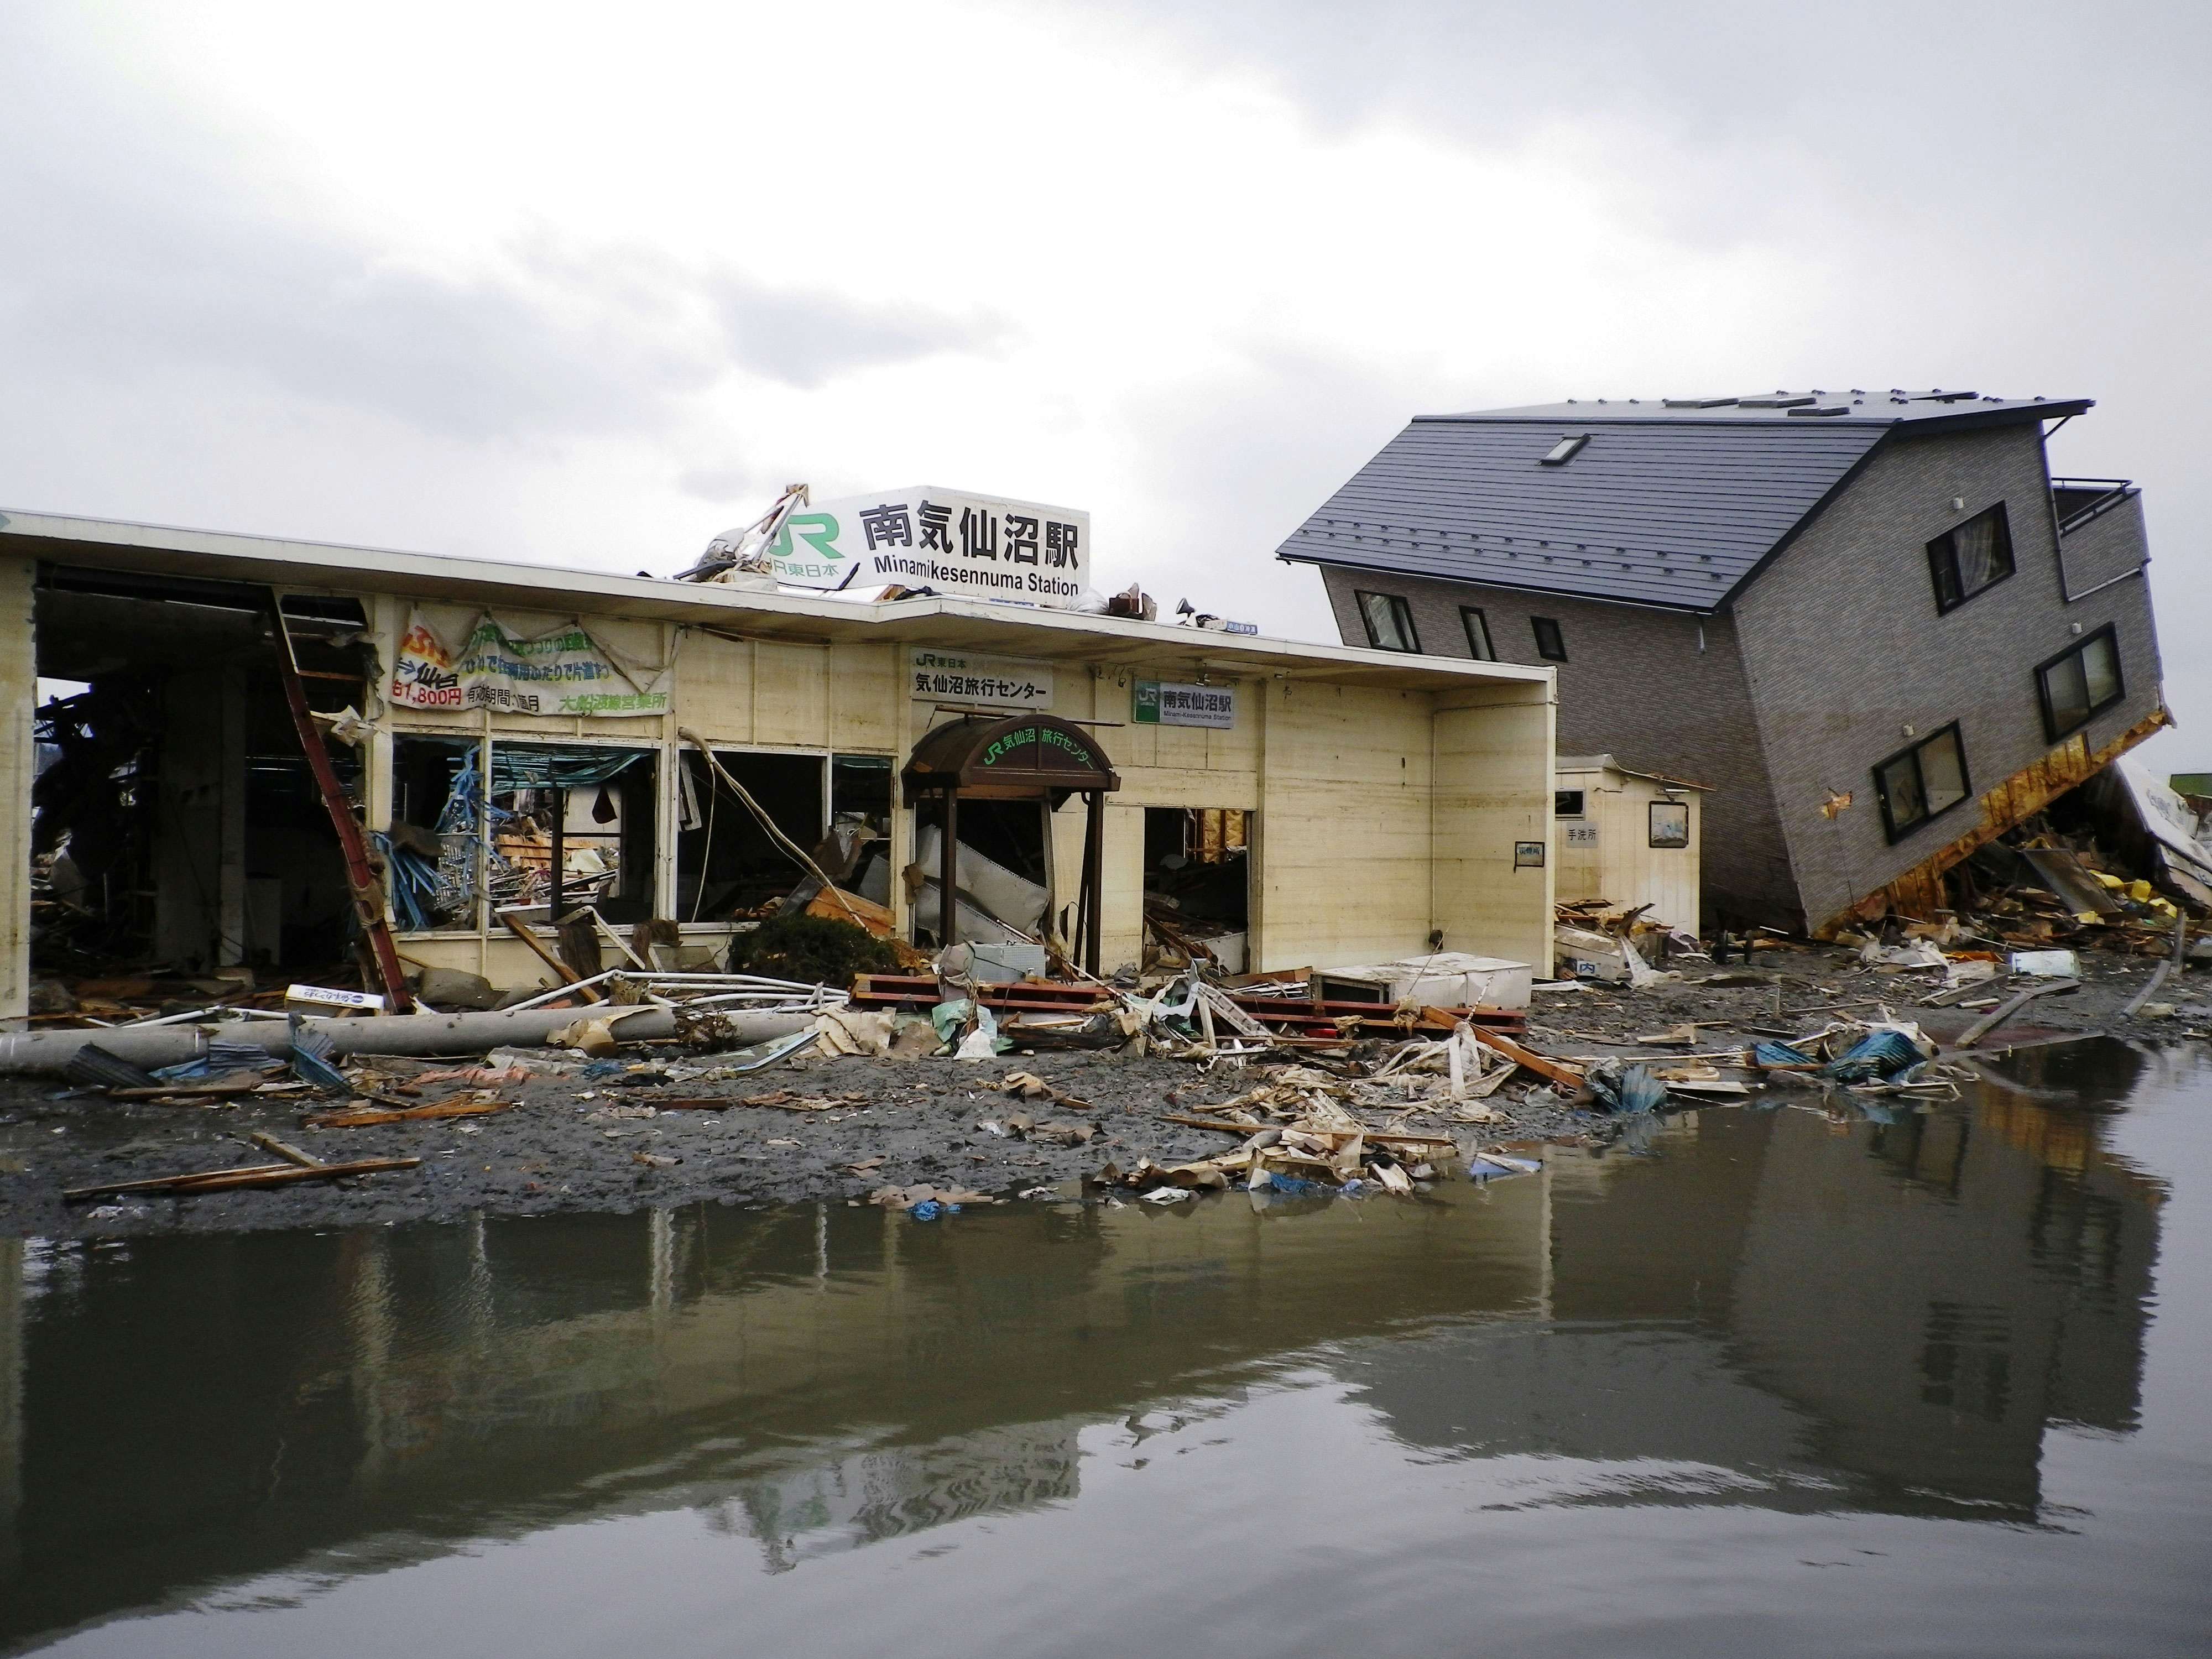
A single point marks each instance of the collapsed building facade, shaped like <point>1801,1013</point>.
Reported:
<point>1872,622</point>
<point>516,742</point>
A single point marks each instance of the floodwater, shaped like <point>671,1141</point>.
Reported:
<point>1770,1384</point>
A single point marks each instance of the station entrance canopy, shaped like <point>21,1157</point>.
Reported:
<point>1027,758</point>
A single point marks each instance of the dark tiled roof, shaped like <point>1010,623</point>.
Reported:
<point>1671,507</point>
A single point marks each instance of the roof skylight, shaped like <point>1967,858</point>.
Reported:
<point>1566,449</point>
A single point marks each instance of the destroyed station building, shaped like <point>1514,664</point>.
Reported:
<point>490,723</point>
<point>1871,623</point>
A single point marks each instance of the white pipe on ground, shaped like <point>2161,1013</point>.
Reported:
<point>151,1046</point>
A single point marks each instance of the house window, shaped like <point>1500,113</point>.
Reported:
<point>1478,634</point>
<point>2079,683</point>
<point>1566,803</point>
<point>1389,622</point>
<point>1670,824</point>
<point>1551,644</point>
<point>1970,557</point>
<point>1921,782</point>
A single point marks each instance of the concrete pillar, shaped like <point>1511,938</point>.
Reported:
<point>19,690</point>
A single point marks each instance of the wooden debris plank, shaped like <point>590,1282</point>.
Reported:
<point>1566,1076</point>
<point>285,1150</point>
<point>1254,1128</point>
<point>210,1088</point>
<point>252,1175</point>
<point>1996,1017</point>
<point>347,1120</point>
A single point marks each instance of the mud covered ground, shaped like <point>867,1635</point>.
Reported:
<point>578,1144</point>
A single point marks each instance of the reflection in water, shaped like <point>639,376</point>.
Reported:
<point>1770,1309</point>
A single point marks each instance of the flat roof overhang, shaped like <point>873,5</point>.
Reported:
<point>1058,636</point>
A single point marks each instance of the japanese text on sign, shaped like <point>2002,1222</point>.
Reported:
<point>971,546</point>
<point>463,661</point>
<point>1162,703</point>
<point>962,676</point>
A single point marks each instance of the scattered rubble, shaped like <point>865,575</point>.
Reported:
<point>945,1084</point>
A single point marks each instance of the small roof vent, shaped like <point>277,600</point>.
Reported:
<point>1566,449</point>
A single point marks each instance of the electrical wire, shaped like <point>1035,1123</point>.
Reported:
<point>805,859</point>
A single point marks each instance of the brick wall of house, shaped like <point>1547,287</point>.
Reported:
<point>1635,686</point>
<point>1844,649</point>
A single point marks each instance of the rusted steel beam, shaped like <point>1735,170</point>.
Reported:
<point>2020,797</point>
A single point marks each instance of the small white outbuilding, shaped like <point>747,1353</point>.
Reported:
<point>1627,837</point>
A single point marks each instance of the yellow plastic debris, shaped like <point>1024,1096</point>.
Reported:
<point>2108,879</point>
<point>2139,891</point>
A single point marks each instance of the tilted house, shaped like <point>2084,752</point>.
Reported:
<point>1873,620</point>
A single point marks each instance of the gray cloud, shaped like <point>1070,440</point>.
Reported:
<point>804,339</point>
<point>143,251</point>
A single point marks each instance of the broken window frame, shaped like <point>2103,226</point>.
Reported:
<point>1399,612</point>
<point>1478,634</point>
<point>478,753</point>
<point>1947,573</point>
<point>716,799</point>
<point>1672,840</point>
<point>1552,649</point>
<point>2077,653</point>
<point>1897,830</point>
<point>656,758</point>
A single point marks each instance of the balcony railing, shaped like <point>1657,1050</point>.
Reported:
<point>2077,501</point>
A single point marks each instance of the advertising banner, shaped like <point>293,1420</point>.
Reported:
<point>485,664</point>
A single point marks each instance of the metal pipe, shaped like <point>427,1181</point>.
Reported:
<point>377,1034</point>
<point>950,871</point>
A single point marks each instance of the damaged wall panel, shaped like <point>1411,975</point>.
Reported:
<point>1919,891</point>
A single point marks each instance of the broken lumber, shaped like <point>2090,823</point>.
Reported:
<point>1989,1022</point>
<point>1551,1070</point>
<point>1229,1127</point>
<point>251,1175</point>
<point>362,1120</point>
<point>286,1150</point>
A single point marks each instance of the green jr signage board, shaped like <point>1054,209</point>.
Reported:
<point>1160,702</point>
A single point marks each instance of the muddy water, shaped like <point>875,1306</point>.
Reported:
<point>1769,1383</point>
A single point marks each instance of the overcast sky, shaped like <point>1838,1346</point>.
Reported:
<point>587,284</point>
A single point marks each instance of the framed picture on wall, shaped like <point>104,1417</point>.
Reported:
<point>1670,824</point>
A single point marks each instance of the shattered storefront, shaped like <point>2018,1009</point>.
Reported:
<point>659,765</point>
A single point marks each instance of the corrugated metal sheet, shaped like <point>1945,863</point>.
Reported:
<point>1662,513</point>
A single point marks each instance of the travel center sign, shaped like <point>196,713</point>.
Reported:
<point>969,546</point>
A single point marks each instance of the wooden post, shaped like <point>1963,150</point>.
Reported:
<point>560,855</point>
<point>950,868</point>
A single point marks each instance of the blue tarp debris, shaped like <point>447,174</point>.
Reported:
<point>1626,1088</point>
<point>1878,1054</point>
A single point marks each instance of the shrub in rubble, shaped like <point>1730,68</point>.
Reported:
<point>814,950</point>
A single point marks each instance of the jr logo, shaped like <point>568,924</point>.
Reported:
<point>817,530</point>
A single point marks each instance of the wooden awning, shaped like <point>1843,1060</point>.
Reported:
<point>1017,757</point>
